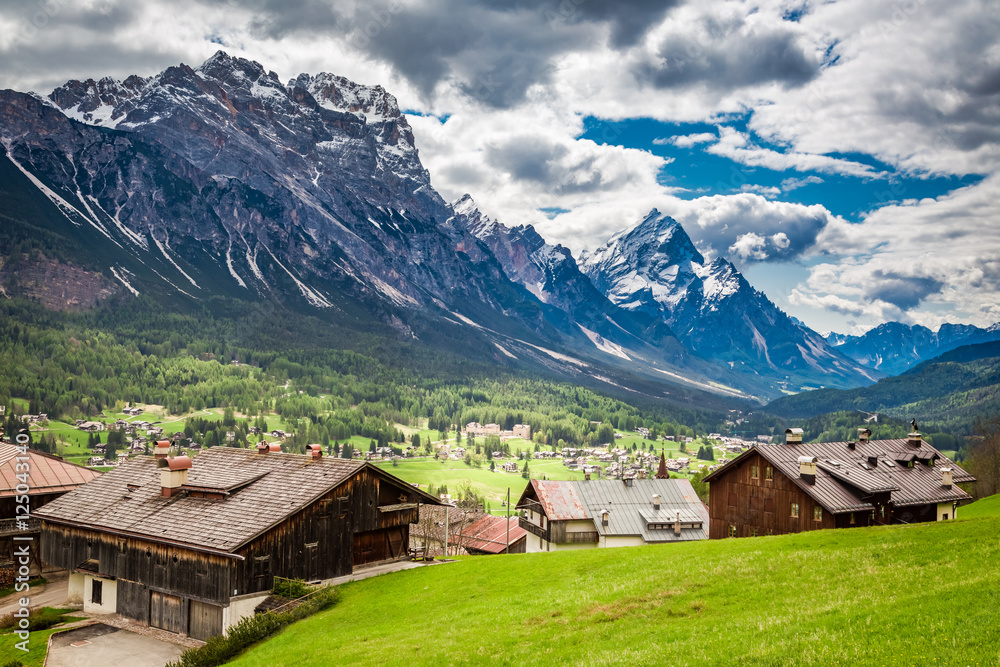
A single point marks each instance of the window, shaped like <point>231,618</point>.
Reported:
<point>795,510</point>
<point>944,517</point>
<point>768,472</point>
<point>754,471</point>
<point>817,513</point>
<point>732,530</point>
<point>97,591</point>
<point>753,531</point>
<point>852,519</point>
<point>343,504</point>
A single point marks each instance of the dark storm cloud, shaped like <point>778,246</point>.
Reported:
<point>723,54</point>
<point>904,292</point>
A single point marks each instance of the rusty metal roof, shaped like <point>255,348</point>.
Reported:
<point>46,473</point>
<point>559,500</point>
<point>490,534</point>
<point>848,486</point>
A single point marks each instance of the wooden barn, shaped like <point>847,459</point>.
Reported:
<point>796,486</point>
<point>194,546</point>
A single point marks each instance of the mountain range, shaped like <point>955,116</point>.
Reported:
<point>894,347</point>
<point>222,180</point>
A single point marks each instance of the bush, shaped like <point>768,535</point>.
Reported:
<point>220,650</point>
<point>38,619</point>
<point>290,588</point>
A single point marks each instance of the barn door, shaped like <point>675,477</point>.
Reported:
<point>206,620</point>
<point>166,612</point>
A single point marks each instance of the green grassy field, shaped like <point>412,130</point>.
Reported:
<point>926,594</point>
<point>989,506</point>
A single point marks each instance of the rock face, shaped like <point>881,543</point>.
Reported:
<point>222,178</point>
<point>894,347</point>
<point>655,268</point>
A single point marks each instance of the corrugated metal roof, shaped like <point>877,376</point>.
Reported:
<point>626,505</point>
<point>46,473</point>
<point>490,534</point>
<point>843,488</point>
<point>129,498</point>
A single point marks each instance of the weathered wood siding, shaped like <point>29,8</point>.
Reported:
<point>152,565</point>
<point>318,542</point>
<point>761,505</point>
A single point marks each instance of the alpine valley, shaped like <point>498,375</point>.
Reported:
<point>223,181</point>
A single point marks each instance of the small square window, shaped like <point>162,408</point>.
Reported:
<point>795,510</point>
<point>817,513</point>
<point>732,530</point>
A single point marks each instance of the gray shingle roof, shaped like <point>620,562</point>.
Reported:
<point>267,488</point>
<point>842,488</point>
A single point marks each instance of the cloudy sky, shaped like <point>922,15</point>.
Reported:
<point>844,154</point>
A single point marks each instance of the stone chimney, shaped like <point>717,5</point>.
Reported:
<point>315,452</point>
<point>173,474</point>
<point>946,478</point>
<point>161,449</point>
<point>807,468</point>
<point>793,436</point>
<point>656,501</point>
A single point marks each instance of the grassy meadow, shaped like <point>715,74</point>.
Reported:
<point>925,594</point>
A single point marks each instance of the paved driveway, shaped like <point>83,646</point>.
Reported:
<point>102,645</point>
<point>52,594</point>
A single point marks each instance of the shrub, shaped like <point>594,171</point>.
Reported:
<point>220,650</point>
<point>290,588</point>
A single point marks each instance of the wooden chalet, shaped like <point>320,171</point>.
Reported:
<point>194,546</point>
<point>796,486</point>
<point>561,515</point>
<point>48,477</point>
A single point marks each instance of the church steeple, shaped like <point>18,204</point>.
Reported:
<point>661,472</point>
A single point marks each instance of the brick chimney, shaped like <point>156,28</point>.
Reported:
<point>807,468</point>
<point>793,436</point>
<point>173,474</point>
<point>315,452</point>
<point>161,449</point>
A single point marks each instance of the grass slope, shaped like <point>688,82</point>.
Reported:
<point>988,506</point>
<point>910,595</point>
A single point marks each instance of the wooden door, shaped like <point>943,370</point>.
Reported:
<point>166,612</point>
<point>205,620</point>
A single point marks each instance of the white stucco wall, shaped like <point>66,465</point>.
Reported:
<point>239,608</point>
<point>109,596</point>
<point>74,594</point>
<point>622,541</point>
<point>946,508</point>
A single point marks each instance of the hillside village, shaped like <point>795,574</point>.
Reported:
<point>189,540</point>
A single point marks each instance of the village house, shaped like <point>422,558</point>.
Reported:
<point>491,535</point>
<point>194,546</point>
<point>560,515</point>
<point>92,427</point>
<point>468,531</point>
<point>48,478</point>
<point>796,486</point>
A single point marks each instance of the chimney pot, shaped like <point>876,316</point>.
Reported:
<point>315,451</point>
<point>173,474</point>
<point>161,449</point>
<point>947,477</point>
<point>807,468</point>
<point>793,436</point>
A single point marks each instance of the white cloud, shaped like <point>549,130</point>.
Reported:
<point>686,140</point>
<point>737,146</point>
